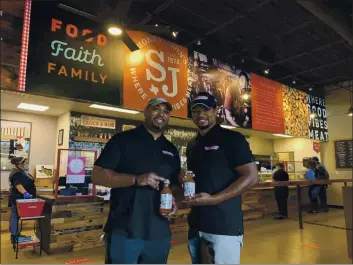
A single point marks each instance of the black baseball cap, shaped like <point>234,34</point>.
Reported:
<point>158,101</point>
<point>204,99</point>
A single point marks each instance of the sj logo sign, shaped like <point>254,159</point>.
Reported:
<point>158,69</point>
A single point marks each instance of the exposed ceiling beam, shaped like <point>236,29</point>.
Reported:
<point>231,21</point>
<point>333,21</point>
<point>156,12</point>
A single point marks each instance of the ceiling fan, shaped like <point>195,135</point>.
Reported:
<point>111,19</point>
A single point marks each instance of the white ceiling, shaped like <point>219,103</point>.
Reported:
<point>10,100</point>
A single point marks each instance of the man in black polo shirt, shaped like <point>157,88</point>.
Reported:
<point>135,164</point>
<point>224,168</point>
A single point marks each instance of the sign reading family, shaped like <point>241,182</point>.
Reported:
<point>62,63</point>
<point>158,69</point>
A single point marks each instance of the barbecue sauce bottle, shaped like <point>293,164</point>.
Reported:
<point>166,199</point>
<point>189,186</point>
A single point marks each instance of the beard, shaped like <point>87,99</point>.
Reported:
<point>203,127</point>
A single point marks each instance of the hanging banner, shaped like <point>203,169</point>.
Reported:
<point>317,147</point>
<point>158,69</point>
<point>267,105</point>
<point>318,129</point>
<point>60,64</point>
<point>230,86</point>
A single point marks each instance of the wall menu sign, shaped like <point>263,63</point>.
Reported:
<point>61,65</point>
<point>97,122</point>
<point>267,105</point>
<point>318,129</point>
<point>344,153</point>
<point>158,69</point>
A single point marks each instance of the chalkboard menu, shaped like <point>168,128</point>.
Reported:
<point>344,153</point>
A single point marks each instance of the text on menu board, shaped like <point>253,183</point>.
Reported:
<point>344,153</point>
<point>82,55</point>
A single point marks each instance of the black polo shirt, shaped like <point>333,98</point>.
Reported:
<point>213,159</point>
<point>134,210</point>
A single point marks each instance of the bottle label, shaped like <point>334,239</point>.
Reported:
<point>166,201</point>
<point>189,189</point>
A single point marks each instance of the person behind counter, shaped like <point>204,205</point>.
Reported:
<point>313,189</point>
<point>21,186</point>
<point>134,164</point>
<point>281,192</point>
<point>224,168</point>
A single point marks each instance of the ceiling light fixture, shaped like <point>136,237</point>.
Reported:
<point>96,106</point>
<point>33,107</point>
<point>311,89</point>
<point>156,25</point>
<point>282,135</point>
<point>266,71</point>
<point>198,43</point>
<point>350,111</point>
<point>246,96</point>
<point>113,30</point>
<point>175,33</point>
<point>294,82</point>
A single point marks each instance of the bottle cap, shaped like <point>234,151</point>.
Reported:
<point>167,181</point>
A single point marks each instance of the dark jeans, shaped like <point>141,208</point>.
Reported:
<point>323,197</point>
<point>281,194</point>
<point>313,193</point>
<point>123,250</point>
<point>14,221</point>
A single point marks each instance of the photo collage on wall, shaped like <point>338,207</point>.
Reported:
<point>230,86</point>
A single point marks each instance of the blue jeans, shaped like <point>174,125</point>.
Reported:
<point>226,248</point>
<point>14,221</point>
<point>125,250</point>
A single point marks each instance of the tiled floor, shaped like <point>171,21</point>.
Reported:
<point>265,241</point>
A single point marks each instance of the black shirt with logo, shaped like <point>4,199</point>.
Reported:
<point>213,159</point>
<point>134,210</point>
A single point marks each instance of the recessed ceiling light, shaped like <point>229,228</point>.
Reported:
<point>283,135</point>
<point>32,107</point>
<point>96,106</point>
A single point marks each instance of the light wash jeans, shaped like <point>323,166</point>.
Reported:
<point>226,248</point>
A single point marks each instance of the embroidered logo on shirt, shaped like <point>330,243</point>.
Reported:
<point>213,147</point>
<point>167,153</point>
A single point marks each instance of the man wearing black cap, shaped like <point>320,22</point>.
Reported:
<point>224,168</point>
<point>135,164</point>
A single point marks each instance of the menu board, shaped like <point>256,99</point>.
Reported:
<point>344,153</point>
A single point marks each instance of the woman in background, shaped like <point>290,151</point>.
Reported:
<point>281,192</point>
<point>21,187</point>
<point>313,189</point>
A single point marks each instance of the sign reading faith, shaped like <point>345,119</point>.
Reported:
<point>61,64</point>
<point>158,70</point>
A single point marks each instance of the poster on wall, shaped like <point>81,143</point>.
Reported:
<point>159,69</point>
<point>44,171</point>
<point>267,105</point>
<point>76,167</point>
<point>230,87</point>
<point>296,114</point>
<point>318,129</point>
<point>62,65</point>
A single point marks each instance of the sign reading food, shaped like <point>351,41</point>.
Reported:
<point>267,105</point>
<point>158,69</point>
<point>62,62</point>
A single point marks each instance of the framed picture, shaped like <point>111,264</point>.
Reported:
<point>61,137</point>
